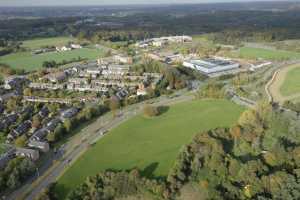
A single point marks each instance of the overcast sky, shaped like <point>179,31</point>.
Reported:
<point>104,2</point>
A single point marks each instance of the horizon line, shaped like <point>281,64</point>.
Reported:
<point>152,4</point>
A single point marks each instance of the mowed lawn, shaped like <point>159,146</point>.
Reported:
<point>52,41</point>
<point>254,53</point>
<point>150,144</point>
<point>29,62</point>
<point>291,84</point>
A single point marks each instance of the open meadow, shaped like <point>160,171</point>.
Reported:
<point>150,144</point>
<point>267,54</point>
<point>291,83</point>
<point>30,62</point>
<point>52,41</point>
<point>286,84</point>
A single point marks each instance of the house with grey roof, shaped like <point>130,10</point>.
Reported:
<point>69,113</point>
<point>42,146</point>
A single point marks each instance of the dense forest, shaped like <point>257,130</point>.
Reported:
<point>226,26</point>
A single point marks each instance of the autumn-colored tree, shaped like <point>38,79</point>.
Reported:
<point>114,105</point>
<point>150,111</point>
<point>21,141</point>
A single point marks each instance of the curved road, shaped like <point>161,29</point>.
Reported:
<point>273,85</point>
<point>82,141</point>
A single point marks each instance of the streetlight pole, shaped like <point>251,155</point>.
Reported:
<point>37,171</point>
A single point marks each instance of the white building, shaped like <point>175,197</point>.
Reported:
<point>123,59</point>
<point>64,48</point>
<point>76,46</point>
<point>211,65</point>
<point>260,65</point>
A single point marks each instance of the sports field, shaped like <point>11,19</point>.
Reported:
<point>267,54</point>
<point>29,62</point>
<point>291,84</point>
<point>286,84</point>
<point>52,41</point>
<point>150,144</point>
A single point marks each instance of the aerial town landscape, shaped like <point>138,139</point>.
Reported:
<point>149,102</point>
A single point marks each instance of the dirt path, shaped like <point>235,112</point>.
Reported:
<point>273,86</point>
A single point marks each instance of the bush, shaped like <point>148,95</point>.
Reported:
<point>150,111</point>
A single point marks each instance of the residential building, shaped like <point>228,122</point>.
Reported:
<point>42,146</point>
<point>39,135</point>
<point>20,130</point>
<point>69,113</point>
<point>44,112</point>
<point>141,91</point>
<point>14,82</point>
<point>7,96</point>
<point>121,94</point>
<point>56,77</point>
<point>123,59</point>
<point>49,86</point>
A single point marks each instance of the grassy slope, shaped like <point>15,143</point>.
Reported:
<point>150,143</point>
<point>54,41</point>
<point>291,84</point>
<point>254,53</point>
<point>31,62</point>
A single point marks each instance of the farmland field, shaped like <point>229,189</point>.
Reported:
<point>254,53</point>
<point>291,84</point>
<point>39,43</point>
<point>150,142</point>
<point>29,62</point>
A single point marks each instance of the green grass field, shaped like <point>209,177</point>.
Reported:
<point>29,62</point>
<point>291,84</point>
<point>150,144</point>
<point>53,41</point>
<point>254,53</point>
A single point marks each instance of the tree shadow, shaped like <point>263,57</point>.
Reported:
<point>162,109</point>
<point>148,171</point>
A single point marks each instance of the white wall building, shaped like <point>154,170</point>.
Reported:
<point>211,65</point>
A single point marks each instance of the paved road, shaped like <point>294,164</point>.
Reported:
<point>79,143</point>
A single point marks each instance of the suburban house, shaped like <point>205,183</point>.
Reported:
<point>42,146</point>
<point>20,130</point>
<point>39,135</point>
<point>116,70</point>
<point>8,120</point>
<point>66,114</point>
<point>121,94</point>
<point>50,127</point>
<point>7,96</point>
<point>49,86</point>
<point>56,77</point>
<point>123,59</point>
<point>141,91</point>
<point>14,82</point>
<point>44,112</point>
